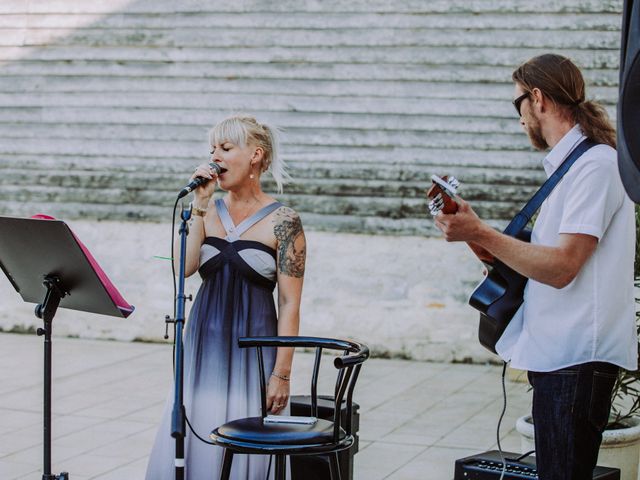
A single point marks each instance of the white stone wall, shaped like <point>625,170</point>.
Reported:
<point>404,296</point>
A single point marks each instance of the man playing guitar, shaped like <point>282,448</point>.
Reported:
<point>576,325</point>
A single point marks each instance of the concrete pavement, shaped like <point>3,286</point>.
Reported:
<point>416,418</point>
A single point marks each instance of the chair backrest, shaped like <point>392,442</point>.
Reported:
<point>348,365</point>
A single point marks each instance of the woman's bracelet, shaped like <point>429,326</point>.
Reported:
<point>200,212</point>
<point>286,378</point>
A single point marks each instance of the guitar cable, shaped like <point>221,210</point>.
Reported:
<point>504,410</point>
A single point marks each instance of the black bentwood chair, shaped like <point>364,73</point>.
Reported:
<point>255,436</point>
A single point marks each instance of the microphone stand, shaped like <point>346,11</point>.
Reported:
<point>178,425</point>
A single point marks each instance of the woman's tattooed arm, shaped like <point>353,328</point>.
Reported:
<point>292,246</point>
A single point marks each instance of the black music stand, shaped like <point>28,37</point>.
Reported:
<point>49,266</point>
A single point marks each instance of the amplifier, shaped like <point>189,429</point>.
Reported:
<point>316,467</point>
<point>488,466</point>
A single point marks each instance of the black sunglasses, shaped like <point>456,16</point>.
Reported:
<point>518,101</point>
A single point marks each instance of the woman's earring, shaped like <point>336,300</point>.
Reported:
<point>252,176</point>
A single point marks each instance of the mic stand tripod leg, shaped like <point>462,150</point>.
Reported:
<point>46,311</point>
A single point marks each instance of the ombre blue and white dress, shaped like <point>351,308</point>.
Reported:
<point>221,381</point>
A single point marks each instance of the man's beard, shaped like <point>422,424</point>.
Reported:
<point>535,134</point>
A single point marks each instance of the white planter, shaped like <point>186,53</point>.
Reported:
<point>620,448</point>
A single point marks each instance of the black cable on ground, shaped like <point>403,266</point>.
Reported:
<point>504,409</point>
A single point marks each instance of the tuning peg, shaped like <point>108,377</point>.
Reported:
<point>453,181</point>
<point>436,205</point>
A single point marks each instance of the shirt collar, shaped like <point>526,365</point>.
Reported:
<point>563,148</point>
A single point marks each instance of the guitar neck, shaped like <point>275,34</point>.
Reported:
<point>482,253</point>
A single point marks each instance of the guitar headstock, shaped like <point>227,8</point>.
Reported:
<point>441,194</point>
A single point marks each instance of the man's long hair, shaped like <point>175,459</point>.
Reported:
<point>561,81</point>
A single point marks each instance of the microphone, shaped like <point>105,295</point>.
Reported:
<point>196,182</point>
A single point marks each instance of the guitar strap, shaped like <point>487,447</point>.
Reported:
<point>524,216</point>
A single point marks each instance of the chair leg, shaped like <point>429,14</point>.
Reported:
<point>227,458</point>
<point>281,467</point>
<point>334,466</point>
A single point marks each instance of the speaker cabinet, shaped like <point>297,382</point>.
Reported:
<point>628,144</point>
<point>316,467</point>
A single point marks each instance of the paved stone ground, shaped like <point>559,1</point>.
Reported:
<point>416,418</point>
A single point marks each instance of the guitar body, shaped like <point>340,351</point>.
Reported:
<point>498,298</point>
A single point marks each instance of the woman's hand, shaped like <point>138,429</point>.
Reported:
<point>204,192</point>
<point>277,394</point>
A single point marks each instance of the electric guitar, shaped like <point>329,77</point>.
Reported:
<point>500,294</point>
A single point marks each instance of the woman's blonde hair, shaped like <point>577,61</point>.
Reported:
<point>245,129</point>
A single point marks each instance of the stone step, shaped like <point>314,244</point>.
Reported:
<point>438,149</point>
<point>334,88</point>
<point>314,185</point>
<point>234,38</point>
<point>416,173</point>
<point>13,168</point>
<point>319,204</point>
<point>410,55</point>
<point>298,136</point>
<point>327,21</point>
<point>594,72</point>
<point>199,121</point>
<point>311,221</point>
<point>169,157</point>
<point>295,6</point>
<point>278,103</point>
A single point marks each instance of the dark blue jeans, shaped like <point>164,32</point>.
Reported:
<point>570,410</point>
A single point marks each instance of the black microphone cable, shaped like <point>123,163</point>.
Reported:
<point>504,409</point>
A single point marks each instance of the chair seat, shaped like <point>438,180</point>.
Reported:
<point>254,430</point>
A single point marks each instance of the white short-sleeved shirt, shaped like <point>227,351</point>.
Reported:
<point>592,318</point>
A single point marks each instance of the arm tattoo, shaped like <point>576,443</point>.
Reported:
<point>292,249</point>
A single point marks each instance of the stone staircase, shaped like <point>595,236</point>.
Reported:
<point>105,106</point>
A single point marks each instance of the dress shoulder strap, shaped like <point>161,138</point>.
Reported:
<point>256,217</point>
<point>225,218</point>
<point>234,232</point>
